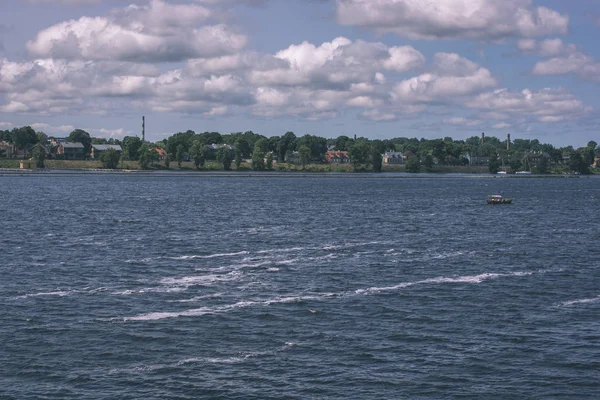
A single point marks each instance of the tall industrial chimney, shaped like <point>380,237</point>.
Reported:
<point>482,137</point>
<point>143,129</point>
<point>508,142</point>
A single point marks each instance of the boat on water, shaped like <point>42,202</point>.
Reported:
<point>523,173</point>
<point>498,199</point>
<point>501,172</point>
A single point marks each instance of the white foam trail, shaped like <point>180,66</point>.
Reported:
<point>59,293</point>
<point>189,313</point>
<point>216,255</point>
<point>459,279</point>
<point>582,301</point>
<point>198,279</point>
<point>194,312</point>
<point>285,250</point>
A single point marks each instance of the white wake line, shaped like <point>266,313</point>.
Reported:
<point>581,301</point>
<point>60,293</point>
<point>202,360</point>
<point>472,279</point>
<point>266,251</point>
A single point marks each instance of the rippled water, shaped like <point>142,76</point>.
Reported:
<point>172,287</point>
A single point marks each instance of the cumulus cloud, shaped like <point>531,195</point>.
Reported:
<point>306,80</point>
<point>462,121</point>
<point>440,19</point>
<point>49,129</point>
<point>546,105</point>
<point>545,48</point>
<point>578,63</point>
<point>453,76</point>
<point>155,32</point>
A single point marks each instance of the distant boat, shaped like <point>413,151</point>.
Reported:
<point>523,173</point>
<point>501,172</point>
<point>498,199</point>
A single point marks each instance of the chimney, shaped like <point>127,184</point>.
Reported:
<point>143,129</point>
<point>354,136</point>
<point>482,137</point>
<point>508,142</point>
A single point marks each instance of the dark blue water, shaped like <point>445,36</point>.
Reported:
<point>170,287</point>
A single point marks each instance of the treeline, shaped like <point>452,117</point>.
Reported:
<point>365,154</point>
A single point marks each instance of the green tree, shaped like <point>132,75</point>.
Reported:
<point>578,164</point>
<point>81,136</point>
<point>110,158</point>
<point>224,157</point>
<point>131,147</point>
<point>304,154</point>
<point>543,165</point>
<point>39,154</point>
<point>144,156</point>
<point>42,138</point>
<point>24,138</point>
<point>494,164</point>
<point>428,162</point>
<point>285,143</point>
<point>343,143</point>
<point>179,154</point>
<point>413,165</point>
<point>168,160</point>
<point>198,153</point>
<point>238,155</point>
<point>269,163</point>
<point>360,155</point>
<point>376,159</point>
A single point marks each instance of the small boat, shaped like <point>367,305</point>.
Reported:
<point>523,172</point>
<point>498,199</point>
<point>501,172</point>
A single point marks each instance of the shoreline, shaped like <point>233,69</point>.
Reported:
<point>272,174</point>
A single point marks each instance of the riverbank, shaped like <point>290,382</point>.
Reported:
<point>215,169</point>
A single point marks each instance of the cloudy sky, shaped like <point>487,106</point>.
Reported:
<point>374,68</point>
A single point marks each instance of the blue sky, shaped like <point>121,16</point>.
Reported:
<point>373,68</point>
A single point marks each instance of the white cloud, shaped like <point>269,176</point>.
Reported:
<point>49,129</point>
<point>438,19</point>
<point>6,124</point>
<point>454,76</point>
<point>157,32</point>
<point>461,121</point>
<point>501,125</point>
<point>376,115</point>
<point>545,48</point>
<point>546,105</point>
<point>578,63</point>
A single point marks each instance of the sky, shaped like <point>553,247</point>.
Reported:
<point>373,68</point>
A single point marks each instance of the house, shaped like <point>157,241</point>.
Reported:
<point>212,149</point>
<point>534,158</point>
<point>98,149</point>
<point>71,150</point>
<point>475,159</point>
<point>161,154</point>
<point>337,157</point>
<point>6,149</point>
<point>393,157</point>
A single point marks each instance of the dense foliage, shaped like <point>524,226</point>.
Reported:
<point>365,154</point>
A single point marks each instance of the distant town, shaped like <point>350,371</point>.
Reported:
<point>23,147</point>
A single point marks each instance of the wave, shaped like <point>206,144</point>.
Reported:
<point>207,256</point>
<point>60,293</point>
<point>441,280</point>
<point>581,301</point>
<point>198,279</point>
<point>195,312</point>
